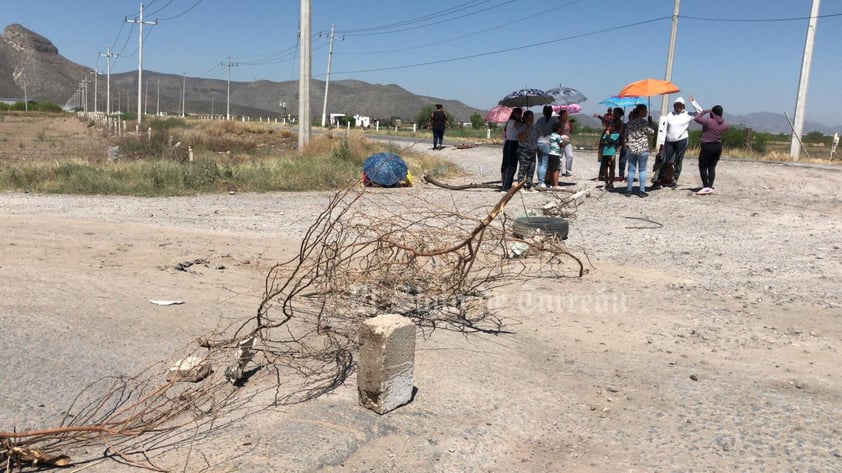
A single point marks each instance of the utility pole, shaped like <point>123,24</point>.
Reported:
<point>183,93</point>
<point>84,88</point>
<point>146,97</point>
<point>140,23</point>
<point>108,57</point>
<point>670,55</point>
<point>158,102</point>
<point>304,78</point>
<point>229,65</point>
<point>95,72</point>
<point>212,93</point>
<point>327,79</point>
<point>801,99</point>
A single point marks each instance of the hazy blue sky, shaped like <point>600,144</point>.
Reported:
<point>743,54</point>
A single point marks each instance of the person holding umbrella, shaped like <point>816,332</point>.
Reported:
<point>637,132</point>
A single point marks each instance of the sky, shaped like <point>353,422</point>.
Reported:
<point>745,55</point>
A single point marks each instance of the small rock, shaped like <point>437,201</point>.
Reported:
<point>800,384</point>
<point>694,377</point>
<point>612,389</point>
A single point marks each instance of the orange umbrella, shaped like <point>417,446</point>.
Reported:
<point>648,87</point>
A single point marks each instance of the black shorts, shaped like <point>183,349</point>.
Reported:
<point>553,163</point>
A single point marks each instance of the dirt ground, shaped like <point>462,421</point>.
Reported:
<point>704,337</point>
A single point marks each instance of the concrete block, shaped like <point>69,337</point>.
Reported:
<point>385,370</point>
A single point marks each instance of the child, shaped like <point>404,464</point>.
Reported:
<point>554,160</point>
<point>608,148</point>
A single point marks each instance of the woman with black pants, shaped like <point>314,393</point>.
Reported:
<point>513,127</point>
<point>713,125</point>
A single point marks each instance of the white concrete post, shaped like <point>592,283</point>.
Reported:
<point>385,370</point>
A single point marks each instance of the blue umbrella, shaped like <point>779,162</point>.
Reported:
<point>623,102</point>
<point>385,169</point>
<point>526,98</point>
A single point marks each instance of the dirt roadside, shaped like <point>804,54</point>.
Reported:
<point>706,341</point>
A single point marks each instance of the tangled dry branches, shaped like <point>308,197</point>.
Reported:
<point>365,254</point>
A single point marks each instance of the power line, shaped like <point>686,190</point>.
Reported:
<point>506,50</point>
<point>158,10</point>
<point>507,23</point>
<point>759,20</point>
<point>400,28</point>
<point>447,11</point>
<point>182,13</point>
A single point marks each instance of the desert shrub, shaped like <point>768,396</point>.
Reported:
<point>760,142</point>
<point>164,124</point>
<point>342,151</point>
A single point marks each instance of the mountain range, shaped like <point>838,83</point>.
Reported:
<point>30,64</point>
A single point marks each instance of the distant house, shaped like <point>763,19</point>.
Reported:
<point>362,122</point>
<point>334,118</point>
<point>12,101</point>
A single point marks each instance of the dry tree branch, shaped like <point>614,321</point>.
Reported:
<point>390,253</point>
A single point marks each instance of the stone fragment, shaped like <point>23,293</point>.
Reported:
<point>191,369</point>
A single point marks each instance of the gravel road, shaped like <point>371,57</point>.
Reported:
<point>705,336</point>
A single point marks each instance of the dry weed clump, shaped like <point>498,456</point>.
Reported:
<point>365,254</point>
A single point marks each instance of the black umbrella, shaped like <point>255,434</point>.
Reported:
<point>526,98</point>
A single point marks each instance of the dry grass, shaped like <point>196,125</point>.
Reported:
<point>61,155</point>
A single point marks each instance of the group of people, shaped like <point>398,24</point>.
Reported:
<point>536,149</point>
<point>630,142</point>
